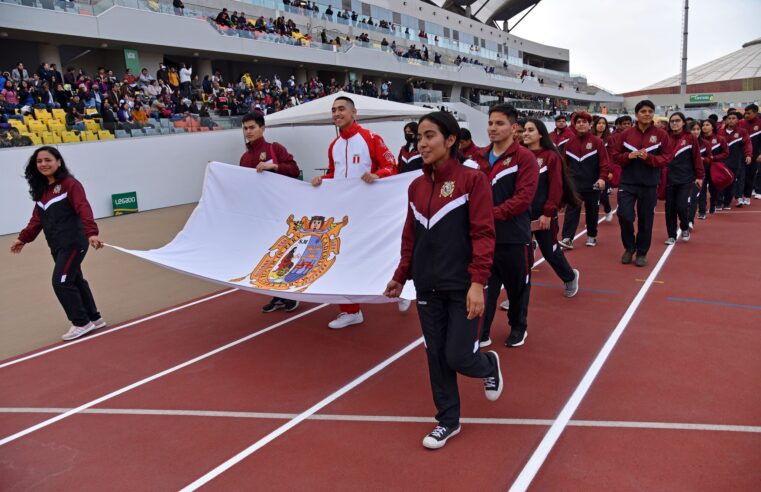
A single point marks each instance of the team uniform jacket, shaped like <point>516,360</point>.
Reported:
<point>262,151</point>
<point>642,172</point>
<point>64,214</point>
<point>549,189</point>
<point>357,151</point>
<point>514,179</point>
<point>686,164</point>
<point>587,160</point>
<point>409,160</point>
<point>738,143</point>
<point>448,237</point>
<point>562,138</point>
<point>753,127</point>
<point>716,148</point>
<point>470,151</point>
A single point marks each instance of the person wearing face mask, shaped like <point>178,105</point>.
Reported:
<point>449,281</point>
<point>63,213</point>
<point>409,158</point>
<point>587,161</point>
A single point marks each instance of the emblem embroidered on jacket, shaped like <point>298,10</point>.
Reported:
<point>540,161</point>
<point>355,159</point>
<point>447,189</point>
<point>57,189</point>
<point>755,128</point>
<point>653,139</point>
<point>735,135</point>
<point>507,161</point>
<point>713,141</point>
<point>262,156</point>
<point>589,145</point>
<point>300,256</point>
<point>684,142</point>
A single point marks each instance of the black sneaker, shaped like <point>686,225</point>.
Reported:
<point>641,261</point>
<point>712,210</point>
<point>290,305</point>
<point>494,383</point>
<point>627,257</point>
<point>702,216</point>
<point>516,339</point>
<point>439,436</point>
<point>273,305</point>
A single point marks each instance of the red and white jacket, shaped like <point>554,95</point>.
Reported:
<point>357,151</point>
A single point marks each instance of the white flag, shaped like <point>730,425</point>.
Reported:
<point>336,243</point>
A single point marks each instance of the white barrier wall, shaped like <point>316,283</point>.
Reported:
<point>165,170</point>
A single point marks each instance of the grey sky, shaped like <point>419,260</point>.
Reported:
<point>625,45</point>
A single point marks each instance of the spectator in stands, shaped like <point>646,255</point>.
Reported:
<point>139,116</point>
<point>74,119</point>
<point>162,73</point>
<point>145,78</point>
<point>55,75</point>
<point>179,7</point>
<point>186,73</point>
<point>5,109</point>
<point>19,73</point>
<point>24,94</point>
<point>329,10</point>
<point>174,79</point>
<point>9,92</point>
<point>109,120</point>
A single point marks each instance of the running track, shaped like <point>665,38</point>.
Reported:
<point>221,396</point>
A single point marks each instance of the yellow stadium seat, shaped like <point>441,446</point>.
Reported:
<point>17,124</point>
<point>70,137</point>
<point>105,135</point>
<point>42,114</point>
<point>34,137</point>
<point>89,111</point>
<point>54,125</point>
<point>49,138</point>
<point>59,114</point>
<point>92,125</point>
<point>88,136</point>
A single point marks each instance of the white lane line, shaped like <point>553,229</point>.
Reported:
<point>300,418</point>
<point>137,384</point>
<point>553,434</point>
<point>311,411</point>
<point>625,424</point>
<point>116,328</point>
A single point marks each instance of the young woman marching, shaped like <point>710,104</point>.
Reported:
<point>716,151</point>
<point>685,171</point>
<point>601,130</point>
<point>447,249</point>
<point>550,196</point>
<point>697,191</point>
<point>63,213</point>
<point>409,158</point>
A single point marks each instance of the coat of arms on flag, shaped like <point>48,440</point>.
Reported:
<point>299,257</point>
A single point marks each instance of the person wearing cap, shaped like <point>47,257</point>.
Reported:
<point>561,134</point>
<point>587,161</point>
<point>355,153</point>
<point>641,151</point>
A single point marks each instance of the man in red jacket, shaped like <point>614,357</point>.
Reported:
<point>273,157</point>
<point>561,134</point>
<point>751,123</point>
<point>641,151</point>
<point>514,177</point>
<point>355,153</point>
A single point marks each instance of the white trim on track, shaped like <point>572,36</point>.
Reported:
<point>117,328</point>
<point>163,373</point>
<point>531,468</point>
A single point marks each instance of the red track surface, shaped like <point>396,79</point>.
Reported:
<point>678,362</point>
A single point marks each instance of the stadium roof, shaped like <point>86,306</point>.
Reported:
<point>488,11</point>
<point>741,64</point>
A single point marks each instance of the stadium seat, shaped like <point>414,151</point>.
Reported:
<point>17,124</point>
<point>91,111</point>
<point>50,138</point>
<point>204,128</point>
<point>105,135</point>
<point>92,125</point>
<point>42,114</point>
<point>149,131</point>
<point>88,136</point>
<point>36,140</point>
<point>122,134</point>
<point>69,137</point>
<point>59,114</point>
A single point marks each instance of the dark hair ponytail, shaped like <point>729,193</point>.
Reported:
<point>570,196</point>
<point>447,125</point>
<point>37,182</point>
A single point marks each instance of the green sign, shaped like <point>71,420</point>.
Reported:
<point>132,61</point>
<point>701,98</point>
<point>125,203</point>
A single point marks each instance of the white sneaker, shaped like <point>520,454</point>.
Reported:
<point>609,216</point>
<point>757,196</point>
<point>99,323</point>
<point>669,241</point>
<point>78,331</point>
<point>505,305</point>
<point>404,305</point>
<point>484,343</point>
<point>346,319</point>
<point>747,200</point>
<point>691,226</point>
<point>591,242</point>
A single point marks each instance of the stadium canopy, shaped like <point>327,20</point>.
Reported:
<point>490,11</point>
<point>369,109</point>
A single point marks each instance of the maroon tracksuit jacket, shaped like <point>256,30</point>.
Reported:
<point>262,151</point>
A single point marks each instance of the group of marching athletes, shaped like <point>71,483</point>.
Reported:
<point>473,215</point>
